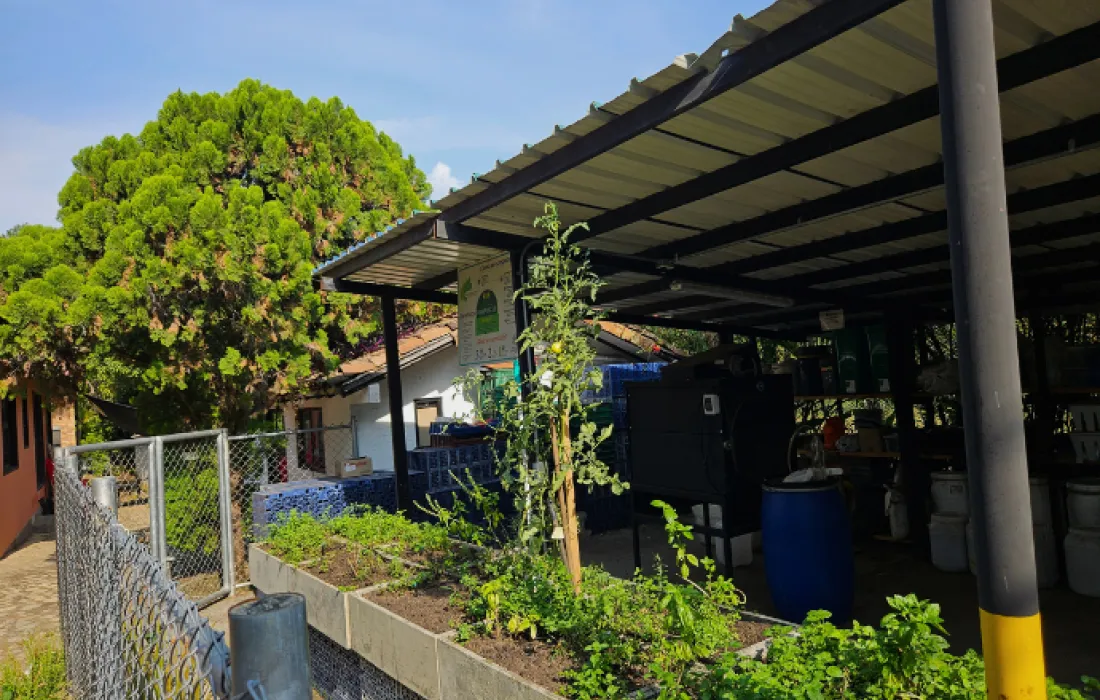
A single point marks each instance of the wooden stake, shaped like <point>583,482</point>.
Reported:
<point>567,503</point>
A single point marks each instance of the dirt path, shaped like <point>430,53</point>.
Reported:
<point>28,592</point>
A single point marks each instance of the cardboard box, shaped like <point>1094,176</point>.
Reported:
<point>360,466</point>
<point>870,439</point>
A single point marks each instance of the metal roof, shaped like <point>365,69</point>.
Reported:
<point>818,176</point>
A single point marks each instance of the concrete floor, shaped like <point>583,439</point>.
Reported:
<point>28,593</point>
<point>1070,621</point>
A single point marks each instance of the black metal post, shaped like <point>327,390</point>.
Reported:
<point>725,337</point>
<point>523,317</point>
<point>397,409</point>
<point>915,476</point>
<point>989,370</point>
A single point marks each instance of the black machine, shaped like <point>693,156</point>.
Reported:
<point>711,431</point>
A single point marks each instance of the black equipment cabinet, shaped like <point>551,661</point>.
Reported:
<point>711,440</point>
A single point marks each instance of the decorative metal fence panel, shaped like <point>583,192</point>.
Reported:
<point>278,457</point>
<point>128,631</point>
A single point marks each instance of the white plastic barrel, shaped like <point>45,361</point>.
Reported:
<point>1083,502</point>
<point>1046,554</point>
<point>1083,561</point>
<point>949,493</point>
<point>1040,500</point>
<point>947,533</point>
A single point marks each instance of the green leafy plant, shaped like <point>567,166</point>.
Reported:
<point>297,538</point>
<point>906,656</point>
<point>40,676</point>
<point>191,514</point>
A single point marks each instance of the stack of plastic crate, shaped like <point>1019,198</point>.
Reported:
<point>603,509</point>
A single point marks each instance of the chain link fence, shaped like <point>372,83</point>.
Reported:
<point>278,457</point>
<point>173,493</point>
<point>128,631</point>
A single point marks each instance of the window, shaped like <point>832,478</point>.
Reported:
<point>10,443</point>
<point>427,410</point>
<point>41,419</point>
<point>311,444</point>
<point>26,424</point>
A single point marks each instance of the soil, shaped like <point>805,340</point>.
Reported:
<point>343,569</point>
<point>431,608</point>
<point>536,661</point>
<point>751,632</point>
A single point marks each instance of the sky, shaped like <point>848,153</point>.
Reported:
<point>458,83</point>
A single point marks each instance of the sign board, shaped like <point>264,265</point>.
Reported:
<point>832,320</point>
<point>486,313</point>
<point>374,393</point>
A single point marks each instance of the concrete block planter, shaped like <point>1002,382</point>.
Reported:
<point>463,675</point>
<point>326,605</point>
<point>407,652</point>
<point>759,651</point>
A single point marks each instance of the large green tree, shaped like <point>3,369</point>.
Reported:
<point>180,279</point>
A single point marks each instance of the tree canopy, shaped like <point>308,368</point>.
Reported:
<point>180,279</point>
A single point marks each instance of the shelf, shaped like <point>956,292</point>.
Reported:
<point>830,397</point>
<point>878,455</point>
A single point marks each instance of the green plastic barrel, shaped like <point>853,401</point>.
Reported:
<point>878,349</point>
<point>852,362</point>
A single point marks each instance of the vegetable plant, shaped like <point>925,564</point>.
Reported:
<point>535,420</point>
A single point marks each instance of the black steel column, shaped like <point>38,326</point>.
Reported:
<point>397,408</point>
<point>915,473</point>
<point>989,370</point>
<point>523,317</point>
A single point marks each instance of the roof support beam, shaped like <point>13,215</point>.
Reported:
<point>808,31</point>
<point>386,291</point>
<point>1033,235</point>
<point>658,322</point>
<point>1054,56</point>
<point>440,280</point>
<point>1023,201</point>
<point>1067,138</point>
<point>629,263</point>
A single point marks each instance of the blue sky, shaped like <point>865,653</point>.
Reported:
<point>458,84</point>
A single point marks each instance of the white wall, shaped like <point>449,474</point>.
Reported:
<point>431,377</point>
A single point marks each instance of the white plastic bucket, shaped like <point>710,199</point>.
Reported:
<point>949,493</point>
<point>947,534</point>
<point>1040,500</point>
<point>1083,561</point>
<point>1083,502</point>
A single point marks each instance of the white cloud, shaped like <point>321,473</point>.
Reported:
<point>441,180</point>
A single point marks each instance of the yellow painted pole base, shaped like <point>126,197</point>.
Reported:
<point>1013,651</point>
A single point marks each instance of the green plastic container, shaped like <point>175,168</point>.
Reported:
<point>853,364</point>
<point>878,349</point>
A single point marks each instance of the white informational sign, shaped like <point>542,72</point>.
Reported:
<point>486,313</point>
<point>832,320</point>
<point>374,393</point>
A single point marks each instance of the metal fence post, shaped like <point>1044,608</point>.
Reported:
<point>225,507</point>
<point>155,504</point>
<point>156,492</point>
<point>269,645</point>
<point>105,493</point>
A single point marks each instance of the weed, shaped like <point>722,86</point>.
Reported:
<point>40,677</point>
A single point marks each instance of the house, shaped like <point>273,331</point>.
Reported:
<point>26,434</point>
<point>357,394</point>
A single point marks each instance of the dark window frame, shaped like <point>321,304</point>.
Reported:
<point>41,421</point>
<point>26,423</point>
<point>9,441</point>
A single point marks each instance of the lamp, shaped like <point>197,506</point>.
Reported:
<point>747,296</point>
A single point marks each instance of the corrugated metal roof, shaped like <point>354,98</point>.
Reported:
<point>874,64</point>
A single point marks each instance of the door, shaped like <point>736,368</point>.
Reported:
<point>427,410</point>
<point>311,444</point>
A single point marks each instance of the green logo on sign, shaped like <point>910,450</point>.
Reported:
<point>488,318</point>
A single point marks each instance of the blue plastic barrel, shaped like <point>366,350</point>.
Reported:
<point>808,549</point>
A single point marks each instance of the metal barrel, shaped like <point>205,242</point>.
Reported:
<point>269,643</point>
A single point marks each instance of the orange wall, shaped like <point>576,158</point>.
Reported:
<point>19,491</point>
